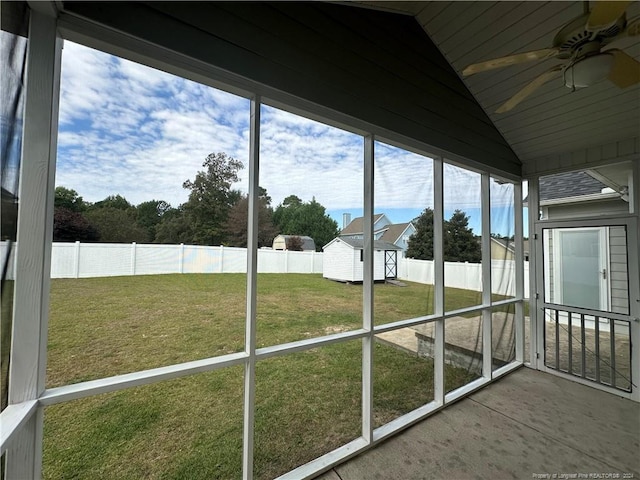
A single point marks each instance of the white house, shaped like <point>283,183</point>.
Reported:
<point>395,233</point>
<point>342,260</point>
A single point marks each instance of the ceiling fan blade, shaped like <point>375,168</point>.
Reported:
<point>509,60</point>
<point>625,70</point>
<point>604,13</point>
<point>530,88</point>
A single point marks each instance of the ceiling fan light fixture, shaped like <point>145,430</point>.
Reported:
<point>588,70</point>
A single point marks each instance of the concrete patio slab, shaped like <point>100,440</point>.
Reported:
<point>527,424</point>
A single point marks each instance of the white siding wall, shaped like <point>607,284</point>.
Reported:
<point>342,262</point>
<point>378,266</point>
<point>586,209</point>
<point>618,270</point>
<point>339,262</point>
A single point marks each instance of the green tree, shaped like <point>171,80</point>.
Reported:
<point>113,201</point>
<point>236,226</point>
<point>420,244</point>
<point>174,227</point>
<point>285,211</point>
<point>116,225</point>
<point>294,217</point>
<point>460,244</point>
<point>69,199</point>
<point>211,198</point>
<point>149,215</point>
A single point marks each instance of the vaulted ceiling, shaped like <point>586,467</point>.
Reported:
<point>554,120</point>
<point>384,69</point>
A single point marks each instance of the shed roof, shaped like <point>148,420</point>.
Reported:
<point>358,244</point>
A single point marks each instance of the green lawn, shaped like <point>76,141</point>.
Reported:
<point>307,403</point>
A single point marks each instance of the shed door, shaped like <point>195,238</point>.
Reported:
<point>390,263</point>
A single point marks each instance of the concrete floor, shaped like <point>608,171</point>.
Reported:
<point>525,425</point>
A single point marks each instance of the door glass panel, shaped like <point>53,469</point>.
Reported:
<point>580,275</point>
<point>587,267</point>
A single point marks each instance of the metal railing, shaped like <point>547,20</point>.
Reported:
<point>595,347</point>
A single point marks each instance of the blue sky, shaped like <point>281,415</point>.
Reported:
<point>135,131</point>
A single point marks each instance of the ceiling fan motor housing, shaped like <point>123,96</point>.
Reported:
<point>574,35</point>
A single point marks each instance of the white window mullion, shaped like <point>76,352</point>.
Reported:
<point>35,233</point>
<point>485,189</point>
<point>368,278</point>
<point>438,277</point>
<point>252,282</point>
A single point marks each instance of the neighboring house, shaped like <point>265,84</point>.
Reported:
<point>502,249</point>
<point>342,260</point>
<point>395,233</point>
<point>281,242</point>
<point>354,228</point>
<point>586,266</point>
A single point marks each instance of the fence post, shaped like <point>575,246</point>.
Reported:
<point>181,258</point>
<point>133,258</point>
<point>286,261</point>
<point>313,260</point>
<point>77,259</point>
<point>221,248</point>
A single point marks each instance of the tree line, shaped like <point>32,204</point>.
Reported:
<point>214,214</point>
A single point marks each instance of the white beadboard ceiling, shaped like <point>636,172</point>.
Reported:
<point>553,120</point>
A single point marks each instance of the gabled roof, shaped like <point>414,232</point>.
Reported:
<point>394,232</point>
<point>356,227</point>
<point>358,244</point>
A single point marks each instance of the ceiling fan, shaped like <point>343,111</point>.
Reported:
<point>580,43</point>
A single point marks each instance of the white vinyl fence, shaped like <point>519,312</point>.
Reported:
<point>467,276</point>
<point>85,260</point>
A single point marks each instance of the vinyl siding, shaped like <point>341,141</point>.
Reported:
<point>342,262</point>
<point>619,278</point>
<point>338,262</point>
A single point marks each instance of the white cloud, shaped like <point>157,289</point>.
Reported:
<point>131,130</point>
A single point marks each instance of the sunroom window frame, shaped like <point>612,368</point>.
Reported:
<point>25,415</point>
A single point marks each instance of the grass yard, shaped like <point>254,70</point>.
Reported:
<point>307,403</point>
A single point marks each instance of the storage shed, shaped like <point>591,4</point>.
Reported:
<point>281,242</point>
<point>342,260</point>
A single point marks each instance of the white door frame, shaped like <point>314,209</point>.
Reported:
<point>633,265</point>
